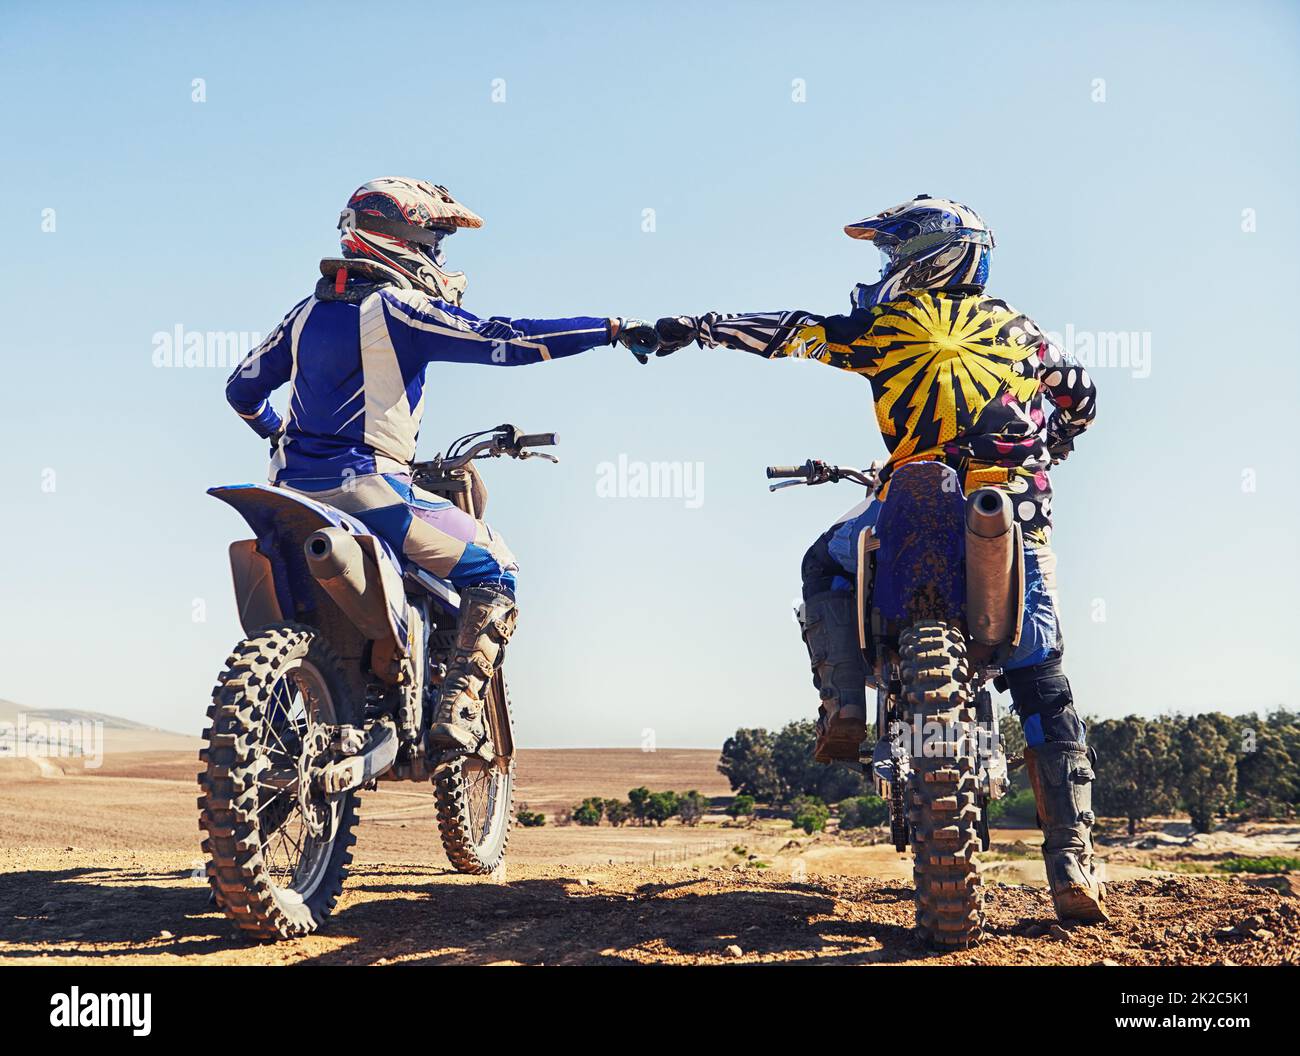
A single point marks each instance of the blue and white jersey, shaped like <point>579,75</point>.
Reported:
<point>355,370</point>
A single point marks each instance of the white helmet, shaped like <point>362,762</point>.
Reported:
<point>401,223</point>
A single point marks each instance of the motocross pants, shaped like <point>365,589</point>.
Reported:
<point>1040,692</point>
<point>423,527</point>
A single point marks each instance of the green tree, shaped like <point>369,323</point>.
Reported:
<point>661,806</point>
<point>742,806</point>
<point>1266,773</point>
<point>529,819</point>
<point>589,811</point>
<point>1138,772</point>
<point>692,807</point>
<point>617,811</point>
<point>797,773</point>
<point>638,799</point>
<point>1209,769</point>
<point>746,762</point>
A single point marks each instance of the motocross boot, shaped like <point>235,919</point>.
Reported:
<point>487,620</point>
<point>1061,775</point>
<point>839,673</point>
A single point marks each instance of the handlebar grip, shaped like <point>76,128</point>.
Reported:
<point>773,472</point>
<point>538,440</point>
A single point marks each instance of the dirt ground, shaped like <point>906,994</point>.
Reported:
<point>104,867</point>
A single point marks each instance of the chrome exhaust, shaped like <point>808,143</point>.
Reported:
<point>350,578</point>
<point>992,609</point>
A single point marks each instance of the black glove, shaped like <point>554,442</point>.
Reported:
<point>637,336</point>
<point>274,440</point>
<point>1059,443</point>
<point>676,331</point>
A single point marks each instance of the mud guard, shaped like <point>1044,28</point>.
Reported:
<point>920,566</point>
<point>254,586</point>
<point>282,520</point>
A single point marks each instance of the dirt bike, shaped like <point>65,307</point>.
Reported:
<point>332,690</point>
<point>940,589</point>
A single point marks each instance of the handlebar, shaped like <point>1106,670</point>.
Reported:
<point>538,440</point>
<point>505,440</point>
<point>775,472</point>
<point>814,472</point>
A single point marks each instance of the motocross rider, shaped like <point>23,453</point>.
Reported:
<point>957,377</point>
<point>354,354</point>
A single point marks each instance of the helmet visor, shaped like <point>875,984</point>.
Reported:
<point>889,257</point>
<point>436,250</point>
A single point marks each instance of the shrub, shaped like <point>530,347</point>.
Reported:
<point>589,811</point>
<point>809,813</point>
<point>1274,864</point>
<point>741,807</point>
<point>861,812</point>
<point>691,807</point>
<point>1017,806</point>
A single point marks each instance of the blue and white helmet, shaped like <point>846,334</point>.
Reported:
<point>925,244</point>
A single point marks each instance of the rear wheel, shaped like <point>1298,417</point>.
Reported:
<point>278,848</point>
<point>475,796</point>
<point>944,813</point>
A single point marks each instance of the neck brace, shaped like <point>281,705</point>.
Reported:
<point>352,280</point>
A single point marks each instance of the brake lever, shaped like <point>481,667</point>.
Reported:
<point>538,454</point>
<point>785,484</point>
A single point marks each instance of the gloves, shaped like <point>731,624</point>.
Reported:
<point>636,335</point>
<point>275,440</point>
<point>1060,442</point>
<point>676,331</point>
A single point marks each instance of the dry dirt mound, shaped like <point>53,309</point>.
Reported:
<point>138,908</point>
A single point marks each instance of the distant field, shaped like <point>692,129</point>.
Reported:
<point>103,865</point>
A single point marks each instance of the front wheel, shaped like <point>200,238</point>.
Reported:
<point>475,796</point>
<point>944,813</point>
<point>278,847</point>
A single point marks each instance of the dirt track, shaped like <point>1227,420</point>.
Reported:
<point>62,909</point>
<point>101,869</point>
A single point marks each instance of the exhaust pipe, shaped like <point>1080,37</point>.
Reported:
<point>992,611</point>
<point>350,578</point>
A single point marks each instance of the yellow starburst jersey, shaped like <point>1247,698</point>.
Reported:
<point>957,376</point>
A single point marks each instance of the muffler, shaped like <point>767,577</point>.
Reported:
<point>994,569</point>
<point>350,578</point>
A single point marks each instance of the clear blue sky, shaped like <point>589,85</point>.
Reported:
<point>1119,215</point>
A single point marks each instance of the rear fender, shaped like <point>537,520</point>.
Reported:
<point>920,569</point>
<point>280,586</point>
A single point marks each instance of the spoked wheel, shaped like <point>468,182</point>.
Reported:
<point>944,814</point>
<point>278,847</point>
<point>475,796</point>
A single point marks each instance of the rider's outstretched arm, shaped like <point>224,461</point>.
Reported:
<point>263,371</point>
<point>432,331</point>
<point>793,334</point>
<point>766,334</point>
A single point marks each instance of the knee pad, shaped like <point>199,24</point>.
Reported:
<point>819,571</point>
<point>1042,697</point>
